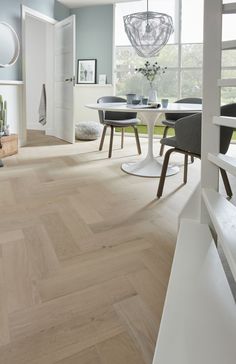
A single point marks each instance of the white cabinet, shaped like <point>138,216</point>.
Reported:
<point>88,94</point>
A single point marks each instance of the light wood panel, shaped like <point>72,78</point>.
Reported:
<point>85,254</point>
<point>119,349</point>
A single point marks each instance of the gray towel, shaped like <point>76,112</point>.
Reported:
<point>43,107</point>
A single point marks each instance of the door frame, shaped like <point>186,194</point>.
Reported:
<point>70,77</point>
<point>26,11</point>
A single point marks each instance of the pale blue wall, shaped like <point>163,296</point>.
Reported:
<point>94,31</point>
<point>10,11</point>
<point>95,36</point>
<point>60,11</point>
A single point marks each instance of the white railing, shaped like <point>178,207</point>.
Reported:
<point>199,318</point>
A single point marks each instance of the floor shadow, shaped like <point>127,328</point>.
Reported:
<point>38,138</point>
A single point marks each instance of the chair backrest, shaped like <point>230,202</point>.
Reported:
<point>188,131</point>
<point>113,115</point>
<point>187,100</point>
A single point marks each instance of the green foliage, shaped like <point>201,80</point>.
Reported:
<point>158,130</point>
<point>3,114</point>
<point>151,71</point>
<point>142,129</point>
<point>188,78</point>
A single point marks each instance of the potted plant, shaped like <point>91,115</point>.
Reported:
<point>150,72</point>
<point>3,117</point>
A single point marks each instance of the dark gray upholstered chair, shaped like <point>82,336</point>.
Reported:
<point>187,141</point>
<point>117,119</point>
<point>171,118</point>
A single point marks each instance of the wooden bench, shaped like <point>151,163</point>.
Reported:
<point>198,325</point>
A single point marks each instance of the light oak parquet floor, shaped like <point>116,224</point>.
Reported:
<point>85,254</point>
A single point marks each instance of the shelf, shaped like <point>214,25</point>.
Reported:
<point>198,324</point>
<point>10,82</point>
<point>223,217</point>
<point>223,161</point>
<point>227,82</point>
<point>229,8</point>
<point>229,44</point>
<point>92,85</point>
<point>225,121</point>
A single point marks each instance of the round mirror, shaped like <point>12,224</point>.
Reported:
<point>9,45</point>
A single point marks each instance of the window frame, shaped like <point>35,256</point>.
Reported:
<point>179,68</point>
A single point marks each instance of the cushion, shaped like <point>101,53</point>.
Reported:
<point>121,123</point>
<point>171,142</point>
<point>170,123</point>
<point>88,130</point>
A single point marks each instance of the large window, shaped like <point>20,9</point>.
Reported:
<point>183,55</point>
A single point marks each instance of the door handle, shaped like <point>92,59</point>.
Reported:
<point>69,79</point>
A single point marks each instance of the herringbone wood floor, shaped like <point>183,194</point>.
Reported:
<point>85,254</point>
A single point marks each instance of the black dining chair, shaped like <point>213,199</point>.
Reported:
<point>171,118</point>
<point>115,119</point>
<point>187,141</point>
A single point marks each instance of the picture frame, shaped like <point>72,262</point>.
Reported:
<point>102,79</point>
<point>86,71</point>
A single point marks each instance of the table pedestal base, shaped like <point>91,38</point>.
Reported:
<point>147,168</point>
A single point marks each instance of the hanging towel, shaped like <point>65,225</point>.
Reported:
<point>43,106</point>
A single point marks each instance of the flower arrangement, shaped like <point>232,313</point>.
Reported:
<point>151,71</point>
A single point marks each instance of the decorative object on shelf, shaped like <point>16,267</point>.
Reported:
<point>148,32</point>
<point>150,72</point>
<point>88,130</point>
<point>102,79</point>
<point>4,128</point>
<point>9,45</point>
<point>86,71</point>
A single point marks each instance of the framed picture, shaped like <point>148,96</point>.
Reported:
<point>102,79</point>
<point>86,72</point>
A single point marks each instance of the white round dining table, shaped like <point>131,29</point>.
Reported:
<point>150,166</point>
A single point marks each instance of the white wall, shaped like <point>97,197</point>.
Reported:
<point>88,94</point>
<point>35,63</point>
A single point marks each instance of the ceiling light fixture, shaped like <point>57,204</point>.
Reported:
<point>148,31</point>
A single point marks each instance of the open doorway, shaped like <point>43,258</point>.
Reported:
<point>49,59</point>
<point>38,72</point>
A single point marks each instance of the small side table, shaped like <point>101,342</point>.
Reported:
<point>8,146</point>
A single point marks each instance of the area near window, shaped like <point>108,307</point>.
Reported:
<point>182,55</point>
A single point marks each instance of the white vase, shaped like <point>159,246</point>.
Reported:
<point>152,95</point>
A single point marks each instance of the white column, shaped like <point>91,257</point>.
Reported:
<point>211,93</point>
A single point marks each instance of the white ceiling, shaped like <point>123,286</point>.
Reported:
<point>73,4</point>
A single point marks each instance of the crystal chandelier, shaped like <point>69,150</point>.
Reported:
<point>148,31</point>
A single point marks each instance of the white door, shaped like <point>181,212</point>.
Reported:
<point>64,79</point>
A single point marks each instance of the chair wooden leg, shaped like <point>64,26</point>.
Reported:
<point>111,142</point>
<point>122,137</point>
<point>163,172</point>
<point>185,168</point>
<point>103,137</point>
<point>137,139</point>
<point>226,183</point>
<point>164,136</point>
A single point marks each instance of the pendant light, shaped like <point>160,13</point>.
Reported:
<point>148,31</point>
